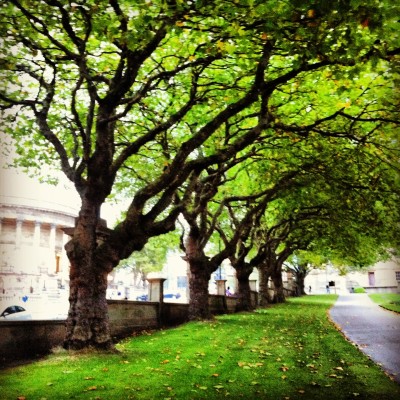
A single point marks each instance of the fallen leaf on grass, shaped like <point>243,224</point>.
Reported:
<point>335,376</point>
<point>92,388</point>
<point>246,365</point>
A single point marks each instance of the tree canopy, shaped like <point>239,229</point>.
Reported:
<point>136,98</point>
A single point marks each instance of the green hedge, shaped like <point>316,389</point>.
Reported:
<point>359,290</point>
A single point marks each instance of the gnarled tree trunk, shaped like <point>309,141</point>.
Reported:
<point>300,277</point>
<point>276,276</point>
<point>200,275</point>
<point>243,272</point>
<point>87,323</point>
<point>264,275</point>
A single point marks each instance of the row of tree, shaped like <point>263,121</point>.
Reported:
<point>262,127</point>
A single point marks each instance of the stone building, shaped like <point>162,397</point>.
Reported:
<point>383,277</point>
<point>33,264</point>
<point>32,255</point>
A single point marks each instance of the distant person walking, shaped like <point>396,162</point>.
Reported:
<point>327,289</point>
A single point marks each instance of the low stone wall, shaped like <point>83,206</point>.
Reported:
<point>26,339</point>
<point>127,317</point>
<point>382,289</point>
<point>174,314</point>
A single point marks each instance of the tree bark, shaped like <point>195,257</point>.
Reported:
<point>300,277</point>
<point>276,276</point>
<point>243,272</point>
<point>87,323</point>
<point>200,275</point>
<point>264,275</point>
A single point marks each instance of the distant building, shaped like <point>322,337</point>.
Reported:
<point>32,255</point>
<point>33,262</point>
<point>383,277</point>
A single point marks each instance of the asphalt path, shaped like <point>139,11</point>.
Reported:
<point>374,330</point>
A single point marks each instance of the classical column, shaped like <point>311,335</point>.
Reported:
<point>18,232</point>
<point>52,240</point>
<point>36,234</point>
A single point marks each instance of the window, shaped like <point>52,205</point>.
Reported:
<point>182,282</point>
<point>397,275</point>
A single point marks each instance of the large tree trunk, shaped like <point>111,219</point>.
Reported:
<point>200,275</point>
<point>87,323</point>
<point>276,276</point>
<point>243,272</point>
<point>264,275</point>
<point>300,277</point>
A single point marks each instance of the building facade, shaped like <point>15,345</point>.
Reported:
<point>383,277</point>
<point>32,255</point>
<point>34,267</point>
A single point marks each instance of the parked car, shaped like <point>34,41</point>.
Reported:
<point>172,296</point>
<point>145,297</point>
<point>14,313</point>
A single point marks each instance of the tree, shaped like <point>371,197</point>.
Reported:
<point>135,97</point>
<point>206,215</point>
<point>112,89</point>
<point>300,264</point>
<point>336,216</point>
<point>150,259</point>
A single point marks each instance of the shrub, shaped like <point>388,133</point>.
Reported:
<point>359,290</point>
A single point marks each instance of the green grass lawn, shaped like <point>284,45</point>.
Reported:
<point>288,351</point>
<point>390,301</point>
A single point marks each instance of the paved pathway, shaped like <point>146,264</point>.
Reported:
<point>374,330</point>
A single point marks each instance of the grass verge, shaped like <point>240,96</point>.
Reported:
<point>390,301</point>
<point>287,351</point>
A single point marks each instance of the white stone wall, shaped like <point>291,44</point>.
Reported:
<point>32,255</point>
